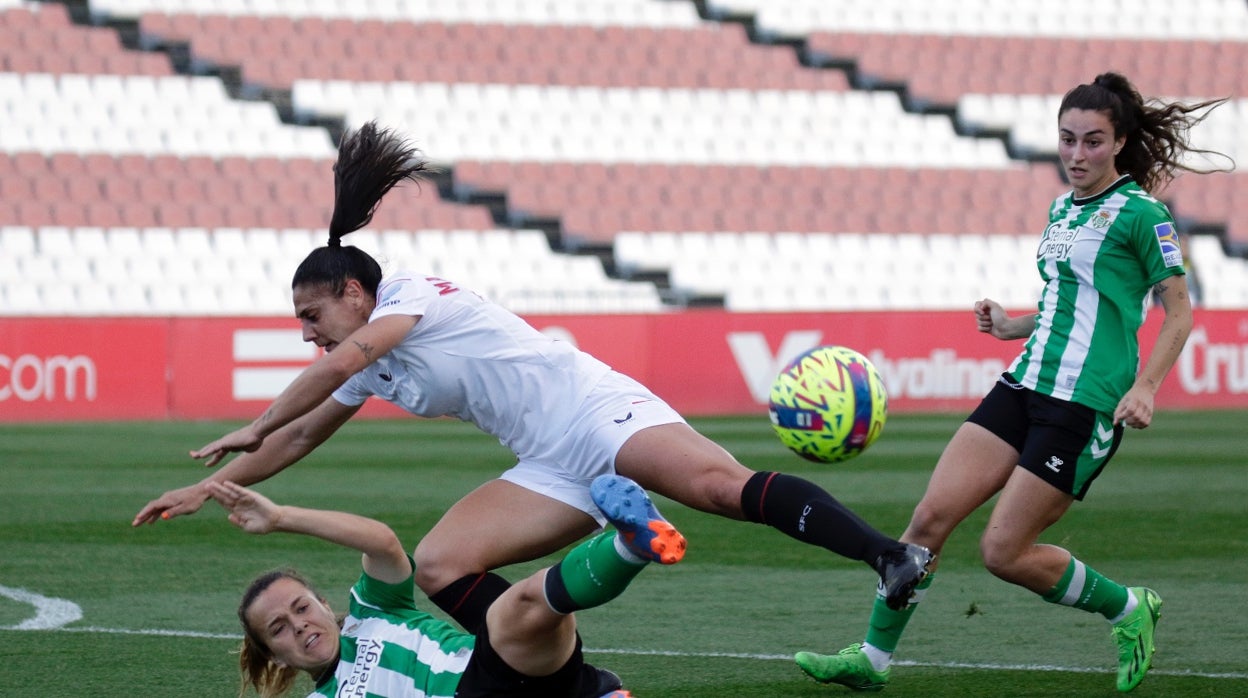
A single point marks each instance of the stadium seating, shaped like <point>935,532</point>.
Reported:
<point>706,153</point>
<point>1195,19</point>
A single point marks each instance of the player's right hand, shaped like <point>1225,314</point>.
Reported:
<point>990,317</point>
<point>186,500</point>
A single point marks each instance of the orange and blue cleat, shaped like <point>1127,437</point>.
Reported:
<point>643,529</point>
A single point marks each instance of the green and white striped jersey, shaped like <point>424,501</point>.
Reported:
<point>1099,258</point>
<point>391,649</point>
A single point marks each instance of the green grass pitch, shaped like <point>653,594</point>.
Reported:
<point>158,603</point>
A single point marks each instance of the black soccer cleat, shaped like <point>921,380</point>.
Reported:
<point>900,572</point>
<point>597,682</point>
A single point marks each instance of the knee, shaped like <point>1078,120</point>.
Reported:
<point>527,601</point>
<point>435,568</point>
<point>527,634</point>
<point>523,613</point>
<point>1000,558</point>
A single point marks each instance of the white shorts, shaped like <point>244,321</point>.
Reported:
<point>617,408</point>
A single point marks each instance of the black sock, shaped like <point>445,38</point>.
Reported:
<point>467,598</point>
<point>557,596</point>
<point>803,510</point>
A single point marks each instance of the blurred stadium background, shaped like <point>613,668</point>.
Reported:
<point>648,173</point>
<point>162,157</point>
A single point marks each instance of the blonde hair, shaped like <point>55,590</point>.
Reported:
<point>255,659</point>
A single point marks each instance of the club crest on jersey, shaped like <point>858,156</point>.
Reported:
<point>1102,219</point>
<point>1168,238</point>
<point>387,295</point>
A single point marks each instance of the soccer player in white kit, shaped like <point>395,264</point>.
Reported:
<point>1055,418</point>
<point>436,348</point>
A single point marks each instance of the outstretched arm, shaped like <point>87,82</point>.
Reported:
<point>284,447</point>
<point>383,555</point>
<point>314,385</point>
<point>1136,407</point>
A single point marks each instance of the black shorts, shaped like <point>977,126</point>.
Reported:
<point>1064,443</point>
<point>488,675</point>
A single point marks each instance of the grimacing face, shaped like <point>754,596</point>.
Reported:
<point>298,628</point>
<point>1087,147</point>
<point>327,319</point>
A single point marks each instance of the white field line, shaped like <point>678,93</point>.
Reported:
<point>938,665</point>
<point>731,655</point>
<point>56,614</point>
<point>50,613</point>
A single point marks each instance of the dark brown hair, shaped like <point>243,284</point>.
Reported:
<point>371,161</point>
<point>1157,132</point>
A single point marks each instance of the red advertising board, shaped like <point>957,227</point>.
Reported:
<point>703,362</point>
<point>79,368</point>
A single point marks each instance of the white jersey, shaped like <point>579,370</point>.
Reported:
<point>471,359</point>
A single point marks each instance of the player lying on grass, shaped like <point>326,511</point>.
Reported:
<point>435,349</point>
<point>386,647</point>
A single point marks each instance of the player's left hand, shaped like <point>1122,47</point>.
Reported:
<point>1135,409</point>
<point>249,510</point>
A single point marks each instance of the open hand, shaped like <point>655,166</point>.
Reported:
<point>243,439</point>
<point>185,500</point>
<point>249,510</point>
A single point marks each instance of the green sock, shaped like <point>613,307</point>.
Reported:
<point>1085,588</point>
<point>887,625</point>
<point>591,574</point>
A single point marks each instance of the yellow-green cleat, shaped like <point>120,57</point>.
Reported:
<point>1134,635</point>
<point>849,667</point>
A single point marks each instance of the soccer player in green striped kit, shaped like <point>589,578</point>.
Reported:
<point>385,647</point>
<point>1054,419</point>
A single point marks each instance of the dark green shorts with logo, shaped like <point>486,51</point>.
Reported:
<point>1064,443</point>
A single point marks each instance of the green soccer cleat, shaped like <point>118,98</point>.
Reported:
<point>849,667</point>
<point>1134,635</point>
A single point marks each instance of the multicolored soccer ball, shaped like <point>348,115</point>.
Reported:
<point>829,404</point>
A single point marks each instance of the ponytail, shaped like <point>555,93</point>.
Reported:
<point>371,161</point>
<point>268,678</point>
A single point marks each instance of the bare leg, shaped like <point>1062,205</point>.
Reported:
<point>1027,506</point>
<point>531,626</point>
<point>677,462</point>
<point>974,466</point>
<point>526,633</point>
<point>497,524</point>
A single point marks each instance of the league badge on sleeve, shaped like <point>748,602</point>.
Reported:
<point>1168,239</point>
